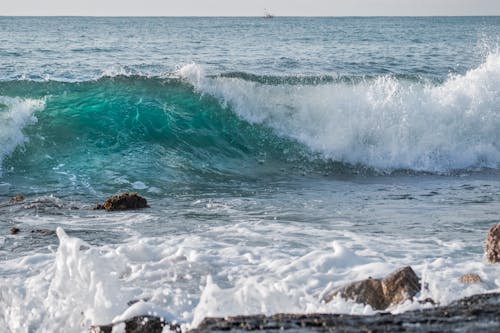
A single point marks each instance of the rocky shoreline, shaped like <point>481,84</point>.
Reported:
<point>478,313</point>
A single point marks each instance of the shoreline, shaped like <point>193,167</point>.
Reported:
<point>479,312</point>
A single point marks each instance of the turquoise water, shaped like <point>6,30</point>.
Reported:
<point>281,158</point>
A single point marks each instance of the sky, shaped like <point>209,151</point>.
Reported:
<point>250,7</point>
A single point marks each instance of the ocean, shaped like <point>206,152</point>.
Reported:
<point>281,158</point>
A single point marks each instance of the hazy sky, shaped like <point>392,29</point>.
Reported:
<point>249,7</point>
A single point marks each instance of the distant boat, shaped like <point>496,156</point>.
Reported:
<point>268,15</point>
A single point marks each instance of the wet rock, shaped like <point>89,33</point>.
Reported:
<point>470,278</point>
<point>44,232</point>
<point>17,198</point>
<point>123,201</point>
<point>47,203</point>
<point>133,301</point>
<point>367,291</point>
<point>140,324</point>
<point>13,201</point>
<point>493,244</point>
<point>14,230</point>
<point>477,313</point>
<point>396,288</point>
<point>400,285</point>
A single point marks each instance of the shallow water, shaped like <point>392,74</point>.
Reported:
<point>296,155</point>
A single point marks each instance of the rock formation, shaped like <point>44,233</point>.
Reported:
<point>470,278</point>
<point>140,324</point>
<point>493,244</point>
<point>478,313</point>
<point>17,198</point>
<point>396,288</point>
<point>123,201</point>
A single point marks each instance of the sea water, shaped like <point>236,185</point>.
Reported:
<point>281,158</point>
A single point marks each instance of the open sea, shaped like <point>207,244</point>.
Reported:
<point>281,159</point>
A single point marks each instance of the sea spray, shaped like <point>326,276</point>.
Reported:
<point>15,114</point>
<point>385,122</point>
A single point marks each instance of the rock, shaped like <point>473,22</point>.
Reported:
<point>400,285</point>
<point>47,203</point>
<point>14,230</point>
<point>44,232</point>
<point>140,324</point>
<point>367,291</point>
<point>396,288</point>
<point>17,198</point>
<point>477,313</point>
<point>470,278</point>
<point>493,244</point>
<point>123,201</point>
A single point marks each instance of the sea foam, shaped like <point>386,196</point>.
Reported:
<point>189,278</point>
<point>385,122</point>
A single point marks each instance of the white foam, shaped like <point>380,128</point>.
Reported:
<point>138,185</point>
<point>15,114</point>
<point>384,123</point>
<point>80,285</point>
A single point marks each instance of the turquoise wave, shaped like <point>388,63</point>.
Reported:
<point>136,132</point>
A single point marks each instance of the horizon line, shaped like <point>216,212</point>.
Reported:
<point>249,16</point>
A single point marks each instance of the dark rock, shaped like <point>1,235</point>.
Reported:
<point>493,244</point>
<point>44,232</point>
<point>123,201</point>
<point>427,300</point>
<point>470,278</point>
<point>14,230</point>
<point>479,313</point>
<point>396,288</point>
<point>141,324</point>
<point>133,301</point>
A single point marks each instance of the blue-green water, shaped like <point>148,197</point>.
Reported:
<point>281,158</point>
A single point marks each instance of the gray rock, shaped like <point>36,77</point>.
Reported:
<point>141,324</point>
<point>479,313</point>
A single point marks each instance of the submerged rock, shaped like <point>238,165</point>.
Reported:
<point>470,278</point>
<point>140,324</point>
<point>493,244</point>
<point>44,232</point>
<point>13,201</point>
<point>396,288</point>
<point>123,201</point>
<point>479,313</point>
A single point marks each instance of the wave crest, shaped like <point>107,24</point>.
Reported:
<point>387,123</point>
<point>15,114</point>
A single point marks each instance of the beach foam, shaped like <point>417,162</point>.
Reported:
<point>81,284</point>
